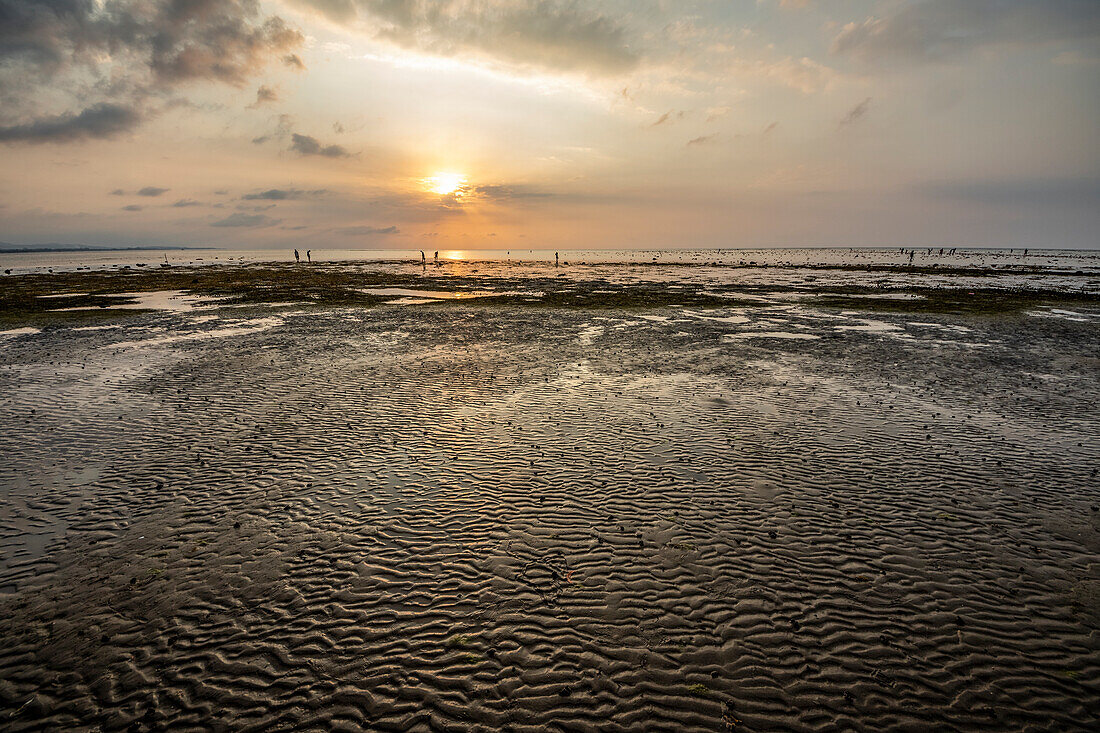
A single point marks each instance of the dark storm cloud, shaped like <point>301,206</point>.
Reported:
<point>99,121</point>
<point>365,231</point>
<point>152,191</point>
<point>283,194</point>
<point>306,145</point>
<point>559,35</point>
<point>245,220</point>
<point>936,30</point>
<point>123,55</point>
<point>856,113</point>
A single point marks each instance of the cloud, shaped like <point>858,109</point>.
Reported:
<point>182,203</point>
<point>1075,58</point>
<point>264,95</point>
<point>228,49</point>
<point>120,59</point>
<point>717,113</point>
<point>499,192</point>
<point>294,61</point>
<point>98,121</point>
<point>365,231</point>
<point>856,113</point>
<point>245,220</point>
<point>803,74</point>
<point>702,140</point>
<point>555,35</point>
<point>707,52</point>
<point>118,192</point>
<point>306,145</point>
<point>1082,191</point>
<point>283,194</point>
<point>283,130</point>
<point>151,191</point>
<point>939,30</point>
<point>132,207</point>
<point>670,116</point>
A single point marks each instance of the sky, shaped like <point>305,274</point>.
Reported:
<point>550,124</point>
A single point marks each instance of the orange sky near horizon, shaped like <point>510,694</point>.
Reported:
<point>594,124</point>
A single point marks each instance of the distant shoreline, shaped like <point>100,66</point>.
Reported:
<point>33,250</point>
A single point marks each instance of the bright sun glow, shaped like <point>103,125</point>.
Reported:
<point>445,183</point>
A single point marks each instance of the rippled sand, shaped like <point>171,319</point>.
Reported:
<point>465,516</point>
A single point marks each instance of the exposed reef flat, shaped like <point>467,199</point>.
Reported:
<point>280,498</point>
<point>958,290</point>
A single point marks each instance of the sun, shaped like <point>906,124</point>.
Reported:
<point>445,183</point>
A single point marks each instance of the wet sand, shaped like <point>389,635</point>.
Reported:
<point>751,510</point>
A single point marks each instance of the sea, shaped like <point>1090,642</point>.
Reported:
<point>889,267</point>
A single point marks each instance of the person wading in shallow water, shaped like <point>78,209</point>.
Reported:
<point>297,257</point>
<point>309,257</point>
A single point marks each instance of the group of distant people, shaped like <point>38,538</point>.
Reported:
<point>435,257</point>
<point>424,257</point>
<point>932,250</point>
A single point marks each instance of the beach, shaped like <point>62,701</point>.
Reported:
<point>808,495</point>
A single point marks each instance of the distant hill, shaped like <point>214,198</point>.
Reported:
<point>9,248</point>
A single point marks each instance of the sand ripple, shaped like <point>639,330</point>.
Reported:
<point>483,518</point>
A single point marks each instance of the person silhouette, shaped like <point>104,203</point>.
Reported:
<point>309,257</point>
<point>297,257</point>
